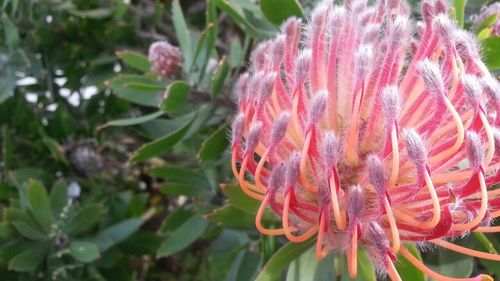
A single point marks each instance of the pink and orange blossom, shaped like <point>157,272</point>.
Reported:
<point>353,130</point>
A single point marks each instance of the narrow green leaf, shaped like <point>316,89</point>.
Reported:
<point>40,204</point>
<point>121,86</point>
<point>29,231</point>
<point>11,34</point>
<point>459,6</point>
<point>183,34</point>
<point>277,11</point>
<point>491,52</point>
<point>248,17</point>
<point>238,199</point>
<point>160,146</point>
<point>131,121</point>
<point>219,77</point>
<point>175,97</point>
<point>230,217</point>
<point>366,272</point>
<point>86,219</point>
<point>135,60</point>
<point>117,233</point>
<point>29,259</point>
<point>406,269</point>
<point>58,196</point>
<point>281,259</point>
<point>183,236</point>
<point>450,263</point>
<point>84,251</point>
<point>215,145</point>
<point>308,268</point>
<point>97,14</point>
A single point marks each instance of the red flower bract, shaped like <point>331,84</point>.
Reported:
<point>355,131</point>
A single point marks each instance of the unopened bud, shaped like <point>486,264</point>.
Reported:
<point>317,108</point>
<point>432,77</point>
<point>279,128</point>
<point>415,147</point>
<point>475,150</point>
<point>253,137</point>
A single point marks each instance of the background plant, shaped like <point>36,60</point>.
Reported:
<point>82,111</point>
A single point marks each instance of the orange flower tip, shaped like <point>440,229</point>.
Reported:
<point>492,88</point>
<point>390,103</point>
<point>440,7</point>
<point>355,206</point>
<point>292,173</point>
<point>291,27</point>
<point>427,11</point>
<point>400,28</point>
<point>338,15</point>
<point>432,77</point>
<point>317,108</point>
<point>279,128</point>
<point>266,88</point>
<point>253,137</point>
<point>485,277</point>
<point>377,174</point>
<point>363,59</point>
<point>329,150</point>
<point>475,150</point>
<point>276,179</point>
<point>472,88</point>
<point>237,131</point>
<point>496,136</point>
<point>415,147</point>
<point>444,27</point>
<point>241,88</point>
<point>259,55</point>
<point>302,65</point>
<point>278,50</point>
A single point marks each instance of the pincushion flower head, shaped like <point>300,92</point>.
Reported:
<point>165,59</point>
<point>362,128</point>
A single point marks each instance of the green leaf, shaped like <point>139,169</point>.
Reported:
<point>58,196</point>
<point>175,97</point>
<point>491,52</point>
<point>450,263</point>
<point>97,14</point>
<point>183,34</point>
<point>238,199</point>
<point>40,205</point>
<point>308,268</point>
<point>84,251</point>
<point>182,181</point>
<point>219,77</point>
<point>117,233</point>
<point>281,259</point>
<point>141,243</point>
<point>131,121</point>
<point>487,23</point>
<point>86,219</point>
<point>11,34</point>
<point>135,60</point>
<point>459,6</point>
<point>230,217</point>
<point>183,236</point>
<point>215,145</point>
<point>248,17</point>
<point>174,220</point>
<point>366,271</point>
<point>277,11</point>
<point>124,86</point>
<point>162,145</point>
<point>29,231</point>
<point>29,259</point>
<point>406,269</point>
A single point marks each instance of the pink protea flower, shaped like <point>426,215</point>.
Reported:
<point>355,131</point>
<point>165,59</point>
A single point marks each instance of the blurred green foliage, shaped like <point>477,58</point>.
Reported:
<point>110,172</point>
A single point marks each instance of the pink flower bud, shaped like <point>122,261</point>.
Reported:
<point>165,59</point>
